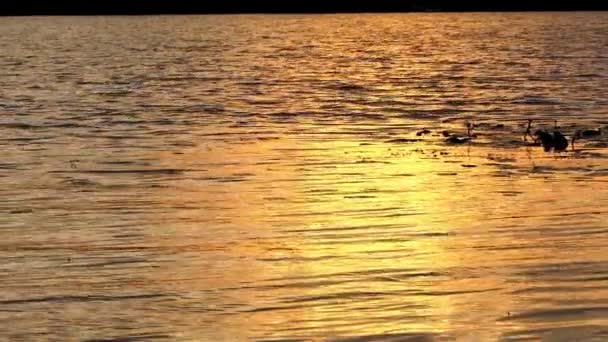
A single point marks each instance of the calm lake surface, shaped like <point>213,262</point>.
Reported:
<point>256,177</point>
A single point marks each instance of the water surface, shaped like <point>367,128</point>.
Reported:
<point>227,178</point>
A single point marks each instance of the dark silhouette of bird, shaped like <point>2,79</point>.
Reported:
<point>455,139</point>
<point>588,133</point>
<point>560,143</point>
<point>545,138</point>
<point>424,131</point>
<point>555,141</point>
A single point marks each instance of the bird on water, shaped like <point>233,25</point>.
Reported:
<point>560,143</point>
<point>545,138</point>
<point>588,133</point>
<point>555,141</point>
<point>455,139</point>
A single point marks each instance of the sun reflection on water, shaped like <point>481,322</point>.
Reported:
<point>349,238</point>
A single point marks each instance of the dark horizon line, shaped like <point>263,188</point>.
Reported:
<point>117,7</point>
<point>144,13</point>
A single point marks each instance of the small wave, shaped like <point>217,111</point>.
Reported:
<point>344,86</point>
<point>67,125</point>
<point>26,139</point>
<point>21,211</point>
<point>92,298</point>
<point>130,338</point>
<point>261,102</point>
<point>535,100</point>
<point>19,125</point>
<point>555,289</point>
<point>412,336</point>
<point>81,182</point>
<point>224,179</point>
<point>111,263</point>
<point>137,171</point>
<point>8,166</point>
<point>556,314</point>
<point>403,140</point>
<point>575,332</point>
<point>338,296</point>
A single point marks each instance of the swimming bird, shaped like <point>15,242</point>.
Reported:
<point>587,133</point>
<point>424,131</point>
<point>560,143</point>
<point>455,139</point>
<point>545,138</point>
<point>555,141</point>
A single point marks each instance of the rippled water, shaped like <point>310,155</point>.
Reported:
<point>226,178</point>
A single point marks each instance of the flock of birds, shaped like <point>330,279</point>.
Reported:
<point>552,140</point>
